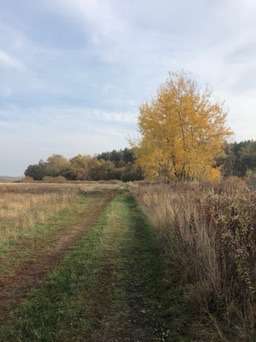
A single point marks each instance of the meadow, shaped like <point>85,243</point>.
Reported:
<point>25,206</point>
<point>104,261</point>
<point>36,219</point>
<point>19,212</point>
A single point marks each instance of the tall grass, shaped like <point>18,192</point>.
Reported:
<point>71,186</point>
<point>25,205</point>
<point>20,212</point>
<point>208,234</point>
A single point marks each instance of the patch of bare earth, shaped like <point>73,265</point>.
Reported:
<point>30,274</point>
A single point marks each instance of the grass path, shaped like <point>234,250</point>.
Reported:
<point>109,288</point>
<point>31,260</point>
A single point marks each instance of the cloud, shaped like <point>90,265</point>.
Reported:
<point>100,17</point>
<point>61,114</point>
<point>38,132</point>
<point>10,62</point>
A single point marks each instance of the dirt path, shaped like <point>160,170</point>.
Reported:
<point>126,303</point>
<point>121,301</point>
<point>14,289</point>
<point>109,288</point>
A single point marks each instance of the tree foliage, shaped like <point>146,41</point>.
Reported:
<point>119,158</point>
<point>238,159</point>
<point>182,131</point>
<point>118,165</point>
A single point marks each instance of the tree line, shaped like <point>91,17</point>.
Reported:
<point>114,165</point>
<point>183,136</point>
<point>237,159</point>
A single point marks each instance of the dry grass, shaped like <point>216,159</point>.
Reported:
<point>209,235</point>
<point>22,206</point>
<point>41,187</point>
<point>19,212</point>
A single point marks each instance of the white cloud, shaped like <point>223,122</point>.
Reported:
<point>10,62</point>
<point>62,114</point>
<point>40,132</point>
<point>99,15</point>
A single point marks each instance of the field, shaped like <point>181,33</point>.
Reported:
<point>139,262</point>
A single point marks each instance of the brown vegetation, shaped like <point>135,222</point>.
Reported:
<point>20,211</point>
<point>24,207</point>
<point>208,234</point>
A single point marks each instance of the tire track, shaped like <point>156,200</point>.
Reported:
<point>14,289</point>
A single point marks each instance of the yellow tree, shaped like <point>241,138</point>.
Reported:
<point>182,131</point>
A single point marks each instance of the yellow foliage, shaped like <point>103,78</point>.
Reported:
<point>182,132</point>
<point>214,175</point>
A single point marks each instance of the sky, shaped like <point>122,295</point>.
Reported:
<point>74,72</point>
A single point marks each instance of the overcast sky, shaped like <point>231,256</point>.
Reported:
<point>73,72</point>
